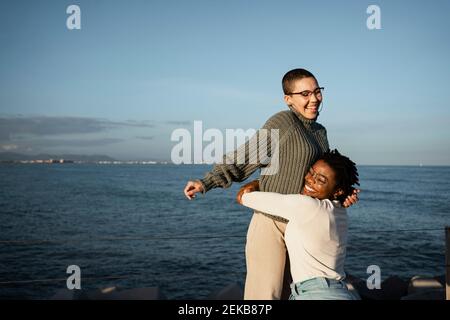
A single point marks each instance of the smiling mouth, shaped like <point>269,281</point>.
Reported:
<point>309,189</point>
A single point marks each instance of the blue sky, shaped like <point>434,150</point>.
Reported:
<point>137,70</point>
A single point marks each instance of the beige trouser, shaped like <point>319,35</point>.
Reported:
<point>268,273</point>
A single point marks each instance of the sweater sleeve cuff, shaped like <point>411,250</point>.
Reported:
<point>207,184</point>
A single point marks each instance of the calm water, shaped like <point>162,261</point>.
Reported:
<point>78,205</point>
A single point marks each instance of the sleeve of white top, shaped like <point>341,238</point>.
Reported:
<point>288,206</point>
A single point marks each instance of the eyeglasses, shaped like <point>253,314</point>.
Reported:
<point>318,178</point>
<point>307,93</point>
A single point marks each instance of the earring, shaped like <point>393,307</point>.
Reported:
<point>321,106</point>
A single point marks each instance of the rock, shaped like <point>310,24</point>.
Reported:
<point>99,294</point>
<point>393,288</point>
<point>440,279</point>
<point>353,283</point>
<point>432,294</point>
<point>64,294</point>
<point>419,284</point>
<point>233,291</point>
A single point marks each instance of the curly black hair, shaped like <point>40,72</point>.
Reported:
<point>345,170</point>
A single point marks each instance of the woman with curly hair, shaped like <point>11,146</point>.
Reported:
<point>316,234</point>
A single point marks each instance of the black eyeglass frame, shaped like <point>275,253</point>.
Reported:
<point>308,92</point>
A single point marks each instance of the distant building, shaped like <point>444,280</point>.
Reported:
<point>53,161</point>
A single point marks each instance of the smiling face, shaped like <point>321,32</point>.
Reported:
<point>320,182</point>
<point>308,107</point>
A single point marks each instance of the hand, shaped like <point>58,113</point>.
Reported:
<point>249,187</point>
<point>352,199</point>
<point>192,187</point>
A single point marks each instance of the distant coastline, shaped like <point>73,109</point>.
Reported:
<point>17,158</point>
<point>63,161</point>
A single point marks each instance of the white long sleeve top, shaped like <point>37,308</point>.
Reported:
<point>315,236</point>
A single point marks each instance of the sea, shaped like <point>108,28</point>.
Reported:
<point>130,226</point>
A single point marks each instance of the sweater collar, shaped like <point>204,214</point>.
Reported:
<point>306,122</point>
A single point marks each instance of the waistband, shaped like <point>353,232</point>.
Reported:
<point>318,283</point>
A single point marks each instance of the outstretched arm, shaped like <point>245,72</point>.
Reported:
<point>240,164</point>
<point>223,175</point>
<point>243,162</point>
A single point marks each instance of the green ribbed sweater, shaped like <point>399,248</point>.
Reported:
<point>301,143</point>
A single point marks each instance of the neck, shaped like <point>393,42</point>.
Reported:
<point>305,121</point>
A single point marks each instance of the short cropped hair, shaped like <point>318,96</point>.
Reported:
<point>291,76</point>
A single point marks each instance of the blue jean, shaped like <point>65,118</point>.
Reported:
<point>321,289</point>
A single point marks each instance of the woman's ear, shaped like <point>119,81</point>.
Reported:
<point>287,99</point>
